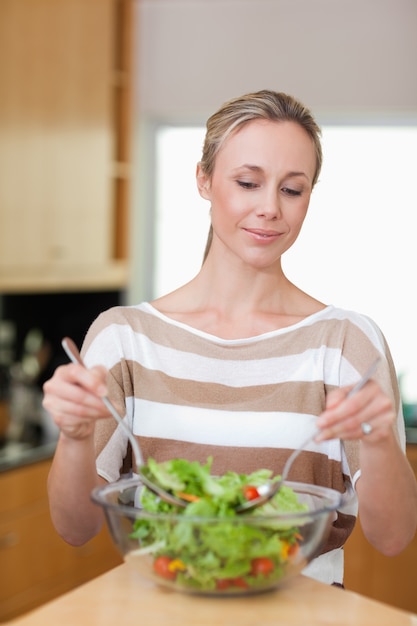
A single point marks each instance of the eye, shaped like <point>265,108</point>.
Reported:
<point>247,184</point>
<point>291,192</point>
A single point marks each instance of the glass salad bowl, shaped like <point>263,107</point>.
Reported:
<point>193,550</point>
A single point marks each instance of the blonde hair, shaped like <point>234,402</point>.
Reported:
<point>266,105</point>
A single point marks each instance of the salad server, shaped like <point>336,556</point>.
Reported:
<point>74,355</point>
<point>267,491</point>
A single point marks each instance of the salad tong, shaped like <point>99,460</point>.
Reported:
<point>74,355</point>
<point>267,491</point>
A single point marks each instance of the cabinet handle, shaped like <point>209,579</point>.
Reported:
<point>9,540</point>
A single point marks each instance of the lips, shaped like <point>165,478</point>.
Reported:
<point>260,233</point>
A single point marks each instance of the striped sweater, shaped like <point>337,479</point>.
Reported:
<point>246,402</point>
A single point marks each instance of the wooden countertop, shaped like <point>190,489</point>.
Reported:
<point>123,596</point>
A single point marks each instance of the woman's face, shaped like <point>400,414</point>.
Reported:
<point>260,190</point>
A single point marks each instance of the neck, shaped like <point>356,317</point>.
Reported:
<point>236,300</point>
<point>240,289</point>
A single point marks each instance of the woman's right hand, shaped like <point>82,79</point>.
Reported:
<point>73,398</point>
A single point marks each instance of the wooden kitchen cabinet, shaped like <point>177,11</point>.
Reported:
<point>65,81</point>
<point>36,564</point>
<point>387,579</point>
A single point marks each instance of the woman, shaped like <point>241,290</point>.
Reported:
<point>239,363</point>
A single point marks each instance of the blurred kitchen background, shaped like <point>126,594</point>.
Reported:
<point>102,112</point>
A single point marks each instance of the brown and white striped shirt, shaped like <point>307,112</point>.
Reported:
<point>246,402</point>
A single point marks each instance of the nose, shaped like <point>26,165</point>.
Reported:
<point>270,207</point>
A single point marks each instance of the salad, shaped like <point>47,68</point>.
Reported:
<point>207,546</point>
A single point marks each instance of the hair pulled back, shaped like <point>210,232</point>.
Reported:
<point>267,105</point>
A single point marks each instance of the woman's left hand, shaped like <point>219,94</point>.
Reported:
<point>368,415</point>
<point>386,475</point>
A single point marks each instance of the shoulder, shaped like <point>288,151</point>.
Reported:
<point>124,313</point>
<point>351,331</point>
<point>115,325</point>
<point>348,317</point>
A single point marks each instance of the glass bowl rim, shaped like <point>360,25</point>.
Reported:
<point>336,501</point>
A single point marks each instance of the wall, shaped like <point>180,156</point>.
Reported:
<point>336,55</point>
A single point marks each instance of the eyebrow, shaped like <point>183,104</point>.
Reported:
<point>257,168</point>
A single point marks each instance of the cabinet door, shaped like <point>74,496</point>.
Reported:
<point>386,579</point>
<point>56,147</point>
<point>35,563</point>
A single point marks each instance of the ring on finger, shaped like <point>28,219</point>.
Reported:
<point>366,428</point>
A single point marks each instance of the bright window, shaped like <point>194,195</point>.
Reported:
<point>181,215</point>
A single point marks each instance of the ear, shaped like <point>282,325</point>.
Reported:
<point>203,183</point>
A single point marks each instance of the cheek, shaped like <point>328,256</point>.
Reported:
<point>225,204</point>
<point>295,219</point>
<point>298,214</point>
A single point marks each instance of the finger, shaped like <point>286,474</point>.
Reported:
<point>369,417</point>
<point>76,404</point>
<point>345,413</point>
<point>65,399</point>
<point>76,416</point>
<point>335,397</point>
<point>67,379</point>
<point>93,379</point>
<point>341,404</point>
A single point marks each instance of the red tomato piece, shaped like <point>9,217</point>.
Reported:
<point>262,566</point>
<point>223,583</point>
<point>161,567</point>
<point>250,492</point>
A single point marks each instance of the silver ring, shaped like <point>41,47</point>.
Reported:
<point>366,428</point>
